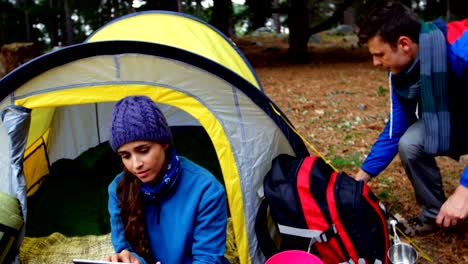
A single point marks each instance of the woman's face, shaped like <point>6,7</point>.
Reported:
<point>144,159</point>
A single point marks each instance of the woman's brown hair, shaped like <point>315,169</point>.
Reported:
<point>131,211</point>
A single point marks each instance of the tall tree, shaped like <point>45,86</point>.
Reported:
<point>191,7</point>
<point>300,30</point>
<point>52,23</point>
<point>11,23</point>
<point>258,12</point>
<point>26,6</point>
<point>276,17</point>
<point>199,7</point>
<point>171,5</point>
<point>221,16</point>
<point>68,31</point>
<point>298,21</point>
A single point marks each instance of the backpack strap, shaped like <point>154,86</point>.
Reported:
<point>314,235</point>
<point>265,242</point>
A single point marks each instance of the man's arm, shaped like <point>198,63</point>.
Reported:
<point>455,209</point>
<point>386,147</point>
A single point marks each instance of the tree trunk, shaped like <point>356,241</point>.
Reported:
<point>3,30</point>
<point>258,16</point>
<point>130,8</point>
<point>170,5</point>
<point>25,5</point>
<point>298,31</point>
<point>68,24</point>
<point>27,22</point>
<point>110,14</point>
<point>221,17</point>
<point>276,17</point>
<point>448,11</point>
<point>349,16</point>
<point>52,24</point>
<point>329,22</point>
<point>179,6</point>
<point>199,8</point>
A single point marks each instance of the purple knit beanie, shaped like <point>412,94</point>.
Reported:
<point>137,118</point>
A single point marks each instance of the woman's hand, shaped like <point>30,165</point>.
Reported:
<point>123,256</point>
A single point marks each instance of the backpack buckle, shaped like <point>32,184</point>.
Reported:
<point>326,235</point>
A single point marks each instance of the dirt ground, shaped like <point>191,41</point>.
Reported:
<point>339,102</point>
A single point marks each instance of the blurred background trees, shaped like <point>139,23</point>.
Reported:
<point>55,23</point>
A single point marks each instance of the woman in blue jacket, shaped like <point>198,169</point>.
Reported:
<point>428,80</point>
<point>163,207</point>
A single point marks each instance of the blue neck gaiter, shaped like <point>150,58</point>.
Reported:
<point>152,193</point>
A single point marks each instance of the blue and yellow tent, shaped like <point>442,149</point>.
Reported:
<point>58,106</point>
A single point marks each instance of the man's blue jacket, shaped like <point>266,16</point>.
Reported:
<point>386,147</point>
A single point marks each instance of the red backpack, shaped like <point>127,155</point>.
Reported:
<point>322,211</point>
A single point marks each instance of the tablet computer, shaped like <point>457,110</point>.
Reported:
<point>93,261</point>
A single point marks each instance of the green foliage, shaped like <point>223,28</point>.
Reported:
<point>347,161</point>
<point>348,137</point>
<point>381,90</point>
<point>363,8</point>
<point>192,8</point>
<point>239,18</point>
<point>256,13</point>
<point>387,193</point>
<point>12,26</point>
<point>432,9</point>
<point>45,20</point>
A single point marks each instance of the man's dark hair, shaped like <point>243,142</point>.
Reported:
<point>390,21</point>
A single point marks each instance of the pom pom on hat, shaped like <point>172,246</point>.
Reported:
<point>137,118</point>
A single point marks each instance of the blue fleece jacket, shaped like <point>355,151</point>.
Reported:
<point>186,225</point>
<point>386,147</point>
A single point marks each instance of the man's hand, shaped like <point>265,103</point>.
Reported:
<point>455,209</point>
<point>123,256</point>
<point>362,176</point>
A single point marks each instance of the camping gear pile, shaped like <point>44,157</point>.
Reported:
<point>321,210</point>
<point>57,107</point>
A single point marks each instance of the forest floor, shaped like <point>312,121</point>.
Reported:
<point>339,102</point>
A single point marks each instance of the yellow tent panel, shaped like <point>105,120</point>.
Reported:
<point>182,32</point>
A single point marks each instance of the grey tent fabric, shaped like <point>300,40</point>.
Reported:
<point>16,121</point>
